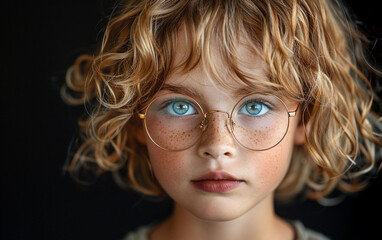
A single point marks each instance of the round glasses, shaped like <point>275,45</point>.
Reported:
<point>175,122</point>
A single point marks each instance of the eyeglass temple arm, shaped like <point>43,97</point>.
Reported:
<point>294,113</point>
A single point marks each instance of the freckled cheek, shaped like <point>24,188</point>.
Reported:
<point>174,135</point>
<point>271,166</point>
<point>168,167</point>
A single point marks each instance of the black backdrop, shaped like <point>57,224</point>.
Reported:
<point>38,41</point>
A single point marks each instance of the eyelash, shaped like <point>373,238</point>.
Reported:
<point>165,104</point>
<point>260,101</point>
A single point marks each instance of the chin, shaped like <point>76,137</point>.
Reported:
<point>217,211</point>
<point>217,216</point>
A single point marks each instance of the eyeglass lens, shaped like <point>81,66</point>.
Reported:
<point>258,121</point>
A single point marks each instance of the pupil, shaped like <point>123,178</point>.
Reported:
<point>254,108</point>
<point>180,108</point>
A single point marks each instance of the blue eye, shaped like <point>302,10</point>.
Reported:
<point>254,108</point>
<point>180,108</point>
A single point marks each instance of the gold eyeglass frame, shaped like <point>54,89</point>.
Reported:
<point>230,123</point>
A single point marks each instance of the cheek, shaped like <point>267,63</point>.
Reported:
<point>271,166</point>
<point>168,167</point>
<point>275,166</point>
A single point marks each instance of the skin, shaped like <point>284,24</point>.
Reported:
<point>247,211</point>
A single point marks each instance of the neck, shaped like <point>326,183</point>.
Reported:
<point>259,223</point>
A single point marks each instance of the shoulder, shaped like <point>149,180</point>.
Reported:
<point>141,233</point>
<point>304,233</point>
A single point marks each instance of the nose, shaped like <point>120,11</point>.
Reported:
<point>216,141</point>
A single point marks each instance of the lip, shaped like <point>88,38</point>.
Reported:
<point>217,182</point>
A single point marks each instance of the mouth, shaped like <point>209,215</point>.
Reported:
<point>217,182</point>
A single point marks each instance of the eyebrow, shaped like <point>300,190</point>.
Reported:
<point>192,92</point>
<point>243,91</point>
<point>181,89</point>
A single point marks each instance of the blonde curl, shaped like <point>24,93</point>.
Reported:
<point>313,54</point>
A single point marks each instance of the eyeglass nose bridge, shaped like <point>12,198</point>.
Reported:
<point>204,123</point>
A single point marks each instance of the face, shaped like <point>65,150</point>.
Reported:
<point>217,179</point>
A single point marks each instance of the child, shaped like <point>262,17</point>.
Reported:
<point>226,105</point>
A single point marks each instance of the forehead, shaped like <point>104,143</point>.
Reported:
<point>243,69</point>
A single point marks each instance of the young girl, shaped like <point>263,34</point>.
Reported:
<point>225,106</point>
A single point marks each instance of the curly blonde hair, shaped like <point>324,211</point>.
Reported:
<point>314,55</point>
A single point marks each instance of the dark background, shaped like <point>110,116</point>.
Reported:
<point>39,40</point>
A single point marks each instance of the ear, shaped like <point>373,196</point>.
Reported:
<point>299,137</point>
